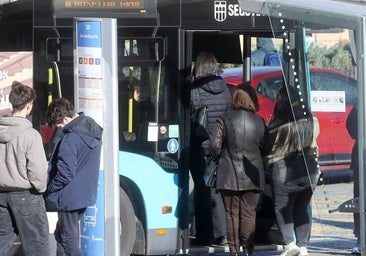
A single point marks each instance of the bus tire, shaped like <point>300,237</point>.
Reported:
<point>128,224</point>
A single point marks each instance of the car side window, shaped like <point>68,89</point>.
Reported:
<point>331,82</point>
<point>269,87</point>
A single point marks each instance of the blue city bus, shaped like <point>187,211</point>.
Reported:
<point>158,40</point>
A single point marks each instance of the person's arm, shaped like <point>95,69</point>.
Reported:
<point>267,141</point>
<point>217,137</point>
<point>66,163</point>
<point>36,163</point>
<point>351,123</point>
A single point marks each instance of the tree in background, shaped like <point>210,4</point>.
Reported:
<point>336,57</point>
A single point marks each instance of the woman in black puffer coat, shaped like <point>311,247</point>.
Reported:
<point>209,90</point>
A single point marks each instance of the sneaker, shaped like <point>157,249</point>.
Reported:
<point>356,250</point>
<point>291,250</point>
<point>303,251</point>
<point>220,241</point>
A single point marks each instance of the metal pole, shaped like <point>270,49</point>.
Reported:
<point>361,71</point>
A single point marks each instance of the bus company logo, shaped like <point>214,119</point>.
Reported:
<point>220,11</point>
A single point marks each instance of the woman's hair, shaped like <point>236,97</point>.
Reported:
<point>206,64</point>
<point>289,107</point>
<point>245,97</point>
<point>58,110</point>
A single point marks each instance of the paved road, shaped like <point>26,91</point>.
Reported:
<point>332,233</point>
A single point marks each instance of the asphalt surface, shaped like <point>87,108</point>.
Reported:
<point>332,233</point>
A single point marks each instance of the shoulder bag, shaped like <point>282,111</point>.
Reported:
<point>211,171</point>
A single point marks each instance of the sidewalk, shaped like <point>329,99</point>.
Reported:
<point>332,233</point>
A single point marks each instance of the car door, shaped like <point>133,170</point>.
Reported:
<point>335,144</point>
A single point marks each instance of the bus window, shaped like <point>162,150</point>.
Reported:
<point>142,49</point>
<point>136,109</point>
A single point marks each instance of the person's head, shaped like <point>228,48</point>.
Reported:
<point>265,44</point>
<point>21,98</point>
<point>206,64</point>
<point>244,97</point>
<point>60,112</point>
<point>289,106</point>
<point>136,91</point>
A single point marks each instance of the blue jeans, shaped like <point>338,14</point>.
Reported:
<point>67,233</point>
<point>23,213</point>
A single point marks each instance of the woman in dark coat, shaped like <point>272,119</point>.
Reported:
<point>294,166</point>
<point>240,137</point>
<point>207,89</point>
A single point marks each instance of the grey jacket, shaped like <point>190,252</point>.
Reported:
<point>23,161</point>
<point>241,139</point>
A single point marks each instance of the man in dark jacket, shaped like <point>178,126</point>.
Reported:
<point>351,125</point>
<point>73,172</point>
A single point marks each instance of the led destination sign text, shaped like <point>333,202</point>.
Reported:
<point>110,4</point>
<point>105,8</point>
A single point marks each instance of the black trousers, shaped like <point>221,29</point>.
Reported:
<point>240,219</point>
<point>209,208</point>
<point>67,233</point>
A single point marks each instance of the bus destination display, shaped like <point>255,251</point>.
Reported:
<point>105,8</point>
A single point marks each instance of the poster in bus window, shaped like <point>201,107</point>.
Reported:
<point>15,67</point>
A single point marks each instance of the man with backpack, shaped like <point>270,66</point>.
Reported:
<point>265,54</point>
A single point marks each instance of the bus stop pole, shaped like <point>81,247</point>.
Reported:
<point>361,71</point>
<point>111,141</point>
<point>96,94</point>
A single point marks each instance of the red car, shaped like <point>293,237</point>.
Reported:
<point>335,144</point>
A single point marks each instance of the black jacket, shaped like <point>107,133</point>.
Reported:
<point>213,92</point>
<point>241,139</point>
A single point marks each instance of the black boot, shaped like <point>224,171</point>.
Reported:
<point>246,252</point>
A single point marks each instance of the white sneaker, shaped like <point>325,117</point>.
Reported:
<point>291,250</point>
<point>303,251</point>
<point>356,250</point>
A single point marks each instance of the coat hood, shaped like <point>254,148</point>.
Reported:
<point>90,132</point>
<point>265,44</point>
<point>11,127</point>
